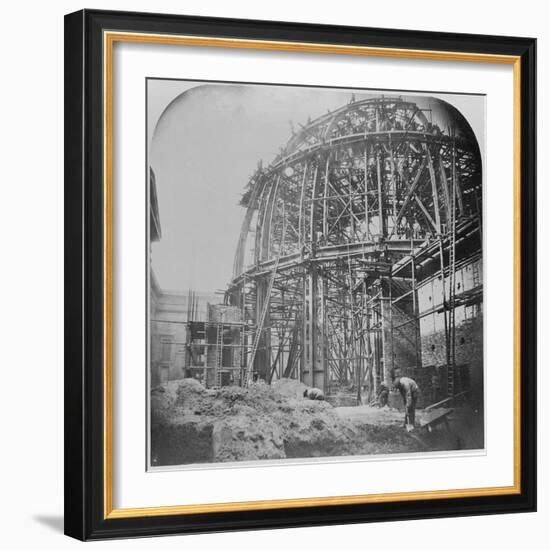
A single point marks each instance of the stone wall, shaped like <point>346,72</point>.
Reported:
<point>400,339</point>
<point>432,377</point>
<point>231,334</point>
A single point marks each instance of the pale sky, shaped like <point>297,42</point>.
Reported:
<point>205,142</point>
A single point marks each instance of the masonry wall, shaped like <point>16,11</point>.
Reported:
<point>400,339</point>
<point>154,333</point>
<point>168,336</point>
<point>231,355</point>
<point>169,332</point>
<point>468,330</point>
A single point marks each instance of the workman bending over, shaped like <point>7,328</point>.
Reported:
<point>408,389</point>
<point>314,393</point>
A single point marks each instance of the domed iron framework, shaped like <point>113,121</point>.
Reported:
<point>336,226</point>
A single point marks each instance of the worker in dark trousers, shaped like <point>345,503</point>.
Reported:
<point>408,389</point>
<point>383,394</point>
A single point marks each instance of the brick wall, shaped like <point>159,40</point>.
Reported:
<point>432,383</point>
<point>468,350</point>
<point>221,313</point>
<point>231,356</point>
<point>399,350</point>
<point>468,336</point>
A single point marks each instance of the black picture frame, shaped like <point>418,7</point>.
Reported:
<point>84,281</point>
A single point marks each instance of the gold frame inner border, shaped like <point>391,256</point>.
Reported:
<point>109,40</point>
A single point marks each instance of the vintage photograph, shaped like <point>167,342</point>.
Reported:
<point>315,272</point>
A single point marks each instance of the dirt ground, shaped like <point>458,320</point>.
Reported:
<point>191,424</point>
<point>384,432</point>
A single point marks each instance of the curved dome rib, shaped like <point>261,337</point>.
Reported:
<point>352,194</point>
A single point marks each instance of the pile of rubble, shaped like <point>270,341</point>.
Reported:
<point>190,424</point>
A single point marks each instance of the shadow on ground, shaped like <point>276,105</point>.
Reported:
<point>55,523</point>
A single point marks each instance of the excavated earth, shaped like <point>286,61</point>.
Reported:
<point>191,424</point>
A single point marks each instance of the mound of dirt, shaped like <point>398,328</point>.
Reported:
<point>246,436</point>
<point>287,387</point>
<point>192,424</point>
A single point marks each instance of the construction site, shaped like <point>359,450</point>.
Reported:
<point>359,256</point>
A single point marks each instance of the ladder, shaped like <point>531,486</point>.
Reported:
<point>243,336</point>
<point>475,274</point>
<point>259,329</point>
<point>219,353</point>
<point>242,342</point>
<point>205,365</point>
<point>452,290</point>
<point>265,308</point>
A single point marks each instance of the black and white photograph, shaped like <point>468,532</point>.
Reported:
<point>315,272</point>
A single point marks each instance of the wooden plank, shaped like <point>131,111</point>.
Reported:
<point>446,400</point>
<point>435,417</point>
